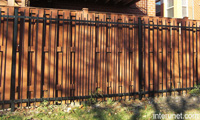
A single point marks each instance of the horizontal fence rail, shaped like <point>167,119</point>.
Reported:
<point>64,55</point>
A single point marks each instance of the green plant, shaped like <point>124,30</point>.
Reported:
<point>110,101</point>
<point>44,103</point>
<point>98,93</point>
<point>195,91</point>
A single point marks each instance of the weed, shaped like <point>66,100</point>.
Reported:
<point>93,96</point>
<point>110,101</point>
<point>195,91</point>
<point>44,103</point>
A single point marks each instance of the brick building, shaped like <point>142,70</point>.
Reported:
<point>137,7</point>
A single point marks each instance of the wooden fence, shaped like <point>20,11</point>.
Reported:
<point>66,55</point>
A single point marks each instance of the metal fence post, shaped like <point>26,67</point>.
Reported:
<point>14,60</point>
<point>140,55</point>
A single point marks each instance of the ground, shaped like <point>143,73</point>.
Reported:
<point>110,110</point>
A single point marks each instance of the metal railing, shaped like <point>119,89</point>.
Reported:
<point>62,55</point>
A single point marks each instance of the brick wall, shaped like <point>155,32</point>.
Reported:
<point>190,9</point>
<point>151,7</point>
<point>197,9</point>
<point>194,8</point>
<point>142,6</point>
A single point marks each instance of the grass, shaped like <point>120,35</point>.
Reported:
<point>110,110</point>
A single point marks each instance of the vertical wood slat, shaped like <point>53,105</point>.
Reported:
<point>176,55</point>
<point>8,40</point>
<point>123,77</point>
<point>18,64</point>
<point>39,42</point>
<point>14,57</point>
<point>113,54</point>
<point>87,52</point>
<point>31,57</point>
<point>130,58</point>
<point>160,55</point>
<point>198,51</point>
<point>91,52</point>
<point>81,56</point>
<point>127,44</point>
<point>183,36</point>
<point>168,57</point>
<point>136,55</point>
<point>72,57</point>
<point>52,41</point>
<point>97,54</point>
<point>188,24</point>
<point>155,50</point>
<point>66,56</point>
<point>84,49</point>
<point>102,34</point>
<point>146,54</point>
<point>180,49</point>
<point>2,58</point>
<point>46,54</point>
<point>25,56</point>
<point>164,31</point>
<point>192,54</point>
<point>93,48</point>
<point>117,58</point>
<point>22,54</point>
<point>77,55</point>
<point>59,54</point>
<point>151,55</point>
<point>32,45</point>
<point>172,46</point>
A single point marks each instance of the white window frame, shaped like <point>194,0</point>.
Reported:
<point>186,8</point>
<point>167,8</point>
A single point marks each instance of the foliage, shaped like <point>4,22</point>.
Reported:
<point>195,91</point>
<point>110,101</point>
<point>44,103</point>
<point>93,96</point>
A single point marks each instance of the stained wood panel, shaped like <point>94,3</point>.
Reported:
<point>68,55</point>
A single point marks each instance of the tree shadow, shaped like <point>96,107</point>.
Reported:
<point>137,113</point>
<point>183,105</point>
<point>99,115</point>
<point>178,106</point>
<point>178,109</point>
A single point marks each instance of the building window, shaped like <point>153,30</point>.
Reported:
<point>184,8</point>
<point>170,8</point>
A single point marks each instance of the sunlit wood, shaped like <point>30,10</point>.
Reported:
<point>72,54</point>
